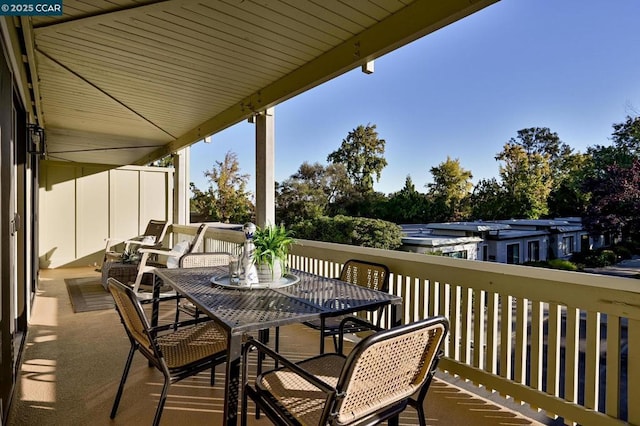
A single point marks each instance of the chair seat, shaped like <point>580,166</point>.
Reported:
<point>287,387</point>
<point>193,344</point>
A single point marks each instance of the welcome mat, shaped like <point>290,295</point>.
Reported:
<point>87,294</point>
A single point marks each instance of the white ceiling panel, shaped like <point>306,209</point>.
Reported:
<point>131,81</point>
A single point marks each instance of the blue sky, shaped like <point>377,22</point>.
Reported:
<point>464,91</point>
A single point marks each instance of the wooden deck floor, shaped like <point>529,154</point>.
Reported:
<point>72,364</point>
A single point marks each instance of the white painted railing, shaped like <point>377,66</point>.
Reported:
<point>558,341</point>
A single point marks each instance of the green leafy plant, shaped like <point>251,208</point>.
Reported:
<point>272,245</point>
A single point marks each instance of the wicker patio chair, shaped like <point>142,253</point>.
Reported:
<point>178,354</point>
<point>153,237</point>
<point>367,274</point>
<point>198,260</point>
<point>372,384</point>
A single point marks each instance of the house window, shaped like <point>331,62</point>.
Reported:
<point>567,245</point>
<point>513,253</point>
<point>460,254</point>
<point>533,247</point>
<point>485,252</point>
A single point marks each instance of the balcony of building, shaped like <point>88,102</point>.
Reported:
<point>552,344</point>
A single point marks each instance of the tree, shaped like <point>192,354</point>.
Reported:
<point>487,201</point>
<point>226,198</point>
<point>308,193</point>
<point>541,140</point>
<point>362,154</point>
<point>526,179</point>
<point>626,136</point>
<point>615,201</point>
<point>568,198</point>
<point>407,205</point>
<point>451,186</point>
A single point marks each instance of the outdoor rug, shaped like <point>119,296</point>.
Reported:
<point>87,294</point>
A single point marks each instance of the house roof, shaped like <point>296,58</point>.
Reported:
<point>130,81</point>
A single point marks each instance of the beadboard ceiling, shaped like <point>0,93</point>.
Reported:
<point>126,82</point>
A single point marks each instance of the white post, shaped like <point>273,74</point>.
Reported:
<point>265,166</point>
<point>181,187</point>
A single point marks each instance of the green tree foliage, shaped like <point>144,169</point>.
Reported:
<point>487,202</point>
<point>226,199</point>
<point>407,205</point>
<point>362,152</point>
<point>451,186</point>
<point>526,179</point>
<point>358,231</point>
<point>310,191</point>
<point>626,136</point>
<point>567,198</point>
<point>541,140</point>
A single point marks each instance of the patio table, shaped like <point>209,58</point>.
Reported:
<point>241,311</point>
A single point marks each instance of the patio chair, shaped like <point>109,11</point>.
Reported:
<point>367,274</point>
<point>177,354</point>
<point>374,383</point>
<point>153,258</point>
<point>198,260</point>
<point>153,236</point>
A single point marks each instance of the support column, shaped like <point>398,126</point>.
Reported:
<point>265,168</point>
<point>181,187</point>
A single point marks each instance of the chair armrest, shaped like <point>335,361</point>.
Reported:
<point>250,342</point>
<point>144,250</point>
<point>355,320</point>
<point>110,242</point>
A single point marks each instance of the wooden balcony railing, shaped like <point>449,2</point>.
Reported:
<point>558,341</point>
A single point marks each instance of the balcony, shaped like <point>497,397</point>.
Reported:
<point>561,346</point>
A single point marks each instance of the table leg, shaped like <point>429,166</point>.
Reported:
<point>396,315</point>
<point>232,380</point>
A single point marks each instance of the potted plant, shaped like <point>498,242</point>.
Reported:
<point>270,256</point>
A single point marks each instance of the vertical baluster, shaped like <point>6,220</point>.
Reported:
<point>592,361</point>
<point>553,350</point>
<point>445,290</point>
<point>536,357</point>
<point>612,399</point>
<point>479,329</point>
<point>433,298</point>
<point>466,319</point>
<point>571,355</point>
<point>506,345</point>
<point>421,298</point>
<point>454,321</point>
<point>633,371</point>
<point>492,333</point>
<point>521,340</point>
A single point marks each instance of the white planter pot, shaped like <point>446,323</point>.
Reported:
<point>266,274</point>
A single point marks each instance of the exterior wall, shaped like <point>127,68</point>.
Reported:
<point>471,249</point>
<point>81,205</point>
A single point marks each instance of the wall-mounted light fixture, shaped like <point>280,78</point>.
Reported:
<point>35,139</point>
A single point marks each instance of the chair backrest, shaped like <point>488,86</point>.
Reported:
<point>366,274</point>
<point>199,237</point>
<point>157,229</point>
<point>386,368</point>
<point>133,318</point>
<point>195,260</point>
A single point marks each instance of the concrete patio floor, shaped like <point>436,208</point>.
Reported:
<point>72,363</point>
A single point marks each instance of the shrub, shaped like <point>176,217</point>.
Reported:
<point>562,264</point>
<point>357,231</point>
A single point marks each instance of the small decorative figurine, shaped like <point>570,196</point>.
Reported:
<point>248,272</point>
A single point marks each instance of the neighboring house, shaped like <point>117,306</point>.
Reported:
<point>512,241</point>
<point>454,239</point>
<point>565,236</point>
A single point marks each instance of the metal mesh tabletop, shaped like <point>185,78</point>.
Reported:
<point>242,310</point>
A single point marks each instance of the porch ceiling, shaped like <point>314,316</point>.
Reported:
<point>126,82</point>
